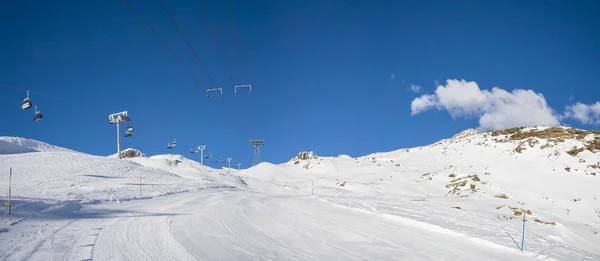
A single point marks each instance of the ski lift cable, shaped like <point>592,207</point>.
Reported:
<point>188,43</point>
<point>241,55</point>
<point>30,92</point>
<point>216,41</point>
<point>223,59</point>
<point>250,105</point>
<point>237,40</point>
<point>236,116</point>
<point>247,114</point>
<point>240,129</point>
<point>164,43</point>
<point>248,108</point>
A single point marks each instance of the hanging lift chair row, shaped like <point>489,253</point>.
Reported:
<point>26,104</point>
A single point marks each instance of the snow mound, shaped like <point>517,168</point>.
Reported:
<point>344,156</point>
<point>177,164</point>
<point>15,145</point>
<point>173,159</point>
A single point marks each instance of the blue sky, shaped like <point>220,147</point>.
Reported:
<point>329,76</point>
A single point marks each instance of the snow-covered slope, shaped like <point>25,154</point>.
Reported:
<point>553,174</point>
<point>12,145</point>
<point>176,163</point>
<point>461,198</point>
<point>56,173</point>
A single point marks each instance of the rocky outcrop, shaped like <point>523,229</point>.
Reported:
<point>305,155</point>
<point>132,153</point>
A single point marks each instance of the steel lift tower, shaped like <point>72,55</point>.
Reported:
<point>201,149</point>
<point>229,162</point>
<point>257,144</point>
<point>117,118</point>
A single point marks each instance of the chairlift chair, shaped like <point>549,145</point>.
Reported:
<point>128,135</point>
<point>37,115</point>
<point>174,143</point>
<point>129,128</point>
<point>169,146</point>
<point>125,118</point>
<point>208,156</point>
<point>26,104</point>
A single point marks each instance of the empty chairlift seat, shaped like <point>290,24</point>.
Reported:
<point>37,115</point>
<point>26,104</point>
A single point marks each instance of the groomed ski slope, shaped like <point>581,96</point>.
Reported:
<point>401,205</point>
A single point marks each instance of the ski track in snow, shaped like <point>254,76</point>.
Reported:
<point>234,224</point>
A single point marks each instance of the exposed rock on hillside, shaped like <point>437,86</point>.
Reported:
<point>306,156</point>
<point>132,153</point>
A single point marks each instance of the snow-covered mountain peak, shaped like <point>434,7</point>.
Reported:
<point>465,133</point>
<point>15,145</point>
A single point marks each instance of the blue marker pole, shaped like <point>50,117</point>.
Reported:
<point>523,234</point>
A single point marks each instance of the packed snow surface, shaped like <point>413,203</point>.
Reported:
<point>461,198</point>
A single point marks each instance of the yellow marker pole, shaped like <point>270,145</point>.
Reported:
<point>10,197</point>
<point>140,185</point>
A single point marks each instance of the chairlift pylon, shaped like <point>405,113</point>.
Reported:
<point>37,115</point>
<point>26,104</point>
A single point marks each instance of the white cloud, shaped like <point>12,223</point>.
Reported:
<point>415,88</point>
<point>586,114</point>
<point>392,76</point>
<point>495,109</point>
<point>422,104</point>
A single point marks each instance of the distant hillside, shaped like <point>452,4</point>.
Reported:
<point>12,145</point>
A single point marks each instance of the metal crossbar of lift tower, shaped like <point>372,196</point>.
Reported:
<point>118,117</point>
<point>257,142</point>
